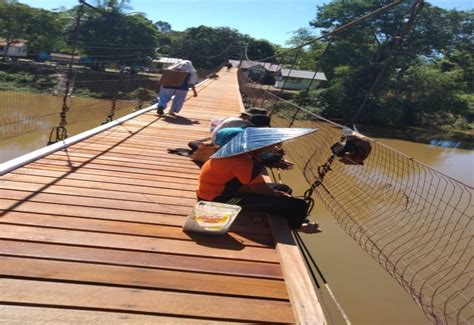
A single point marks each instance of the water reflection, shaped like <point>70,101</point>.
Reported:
<point>445,143</point>
<point>454,162</point>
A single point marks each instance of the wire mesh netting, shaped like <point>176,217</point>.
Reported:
<point>33,105</point>
<point>413,220</point>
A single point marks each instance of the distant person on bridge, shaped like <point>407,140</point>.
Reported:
<point>228,66</point>
<point>179,92</point>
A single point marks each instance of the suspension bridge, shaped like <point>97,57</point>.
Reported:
<point>91,225</point>
<point>93,232</point>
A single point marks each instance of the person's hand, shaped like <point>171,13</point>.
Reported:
<point>284,164</point>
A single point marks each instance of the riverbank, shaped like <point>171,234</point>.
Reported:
<point>451,139</point>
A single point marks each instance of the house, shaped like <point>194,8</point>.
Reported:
<point>163,63</point>
<point>257,71</point>
<point>293,79</point>
<point>290,79</point>
<point>65,58</point>
<point>17,49</point>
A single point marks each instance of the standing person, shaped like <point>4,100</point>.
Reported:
<point>179,92</point>
<point>234,173</point>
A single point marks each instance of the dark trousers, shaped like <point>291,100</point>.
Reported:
<point>293,209</point>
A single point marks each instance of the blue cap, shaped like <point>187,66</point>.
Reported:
<point>225,135</point>
<point>251,139</point>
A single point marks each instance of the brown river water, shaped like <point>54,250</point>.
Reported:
<point>368,295</point>
<point>366,292</point>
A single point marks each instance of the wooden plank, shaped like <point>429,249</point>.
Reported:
<point>150,153</point>
<point>16,315</point>
<point>141,278</point>
<point>124,158</point>
<point>140,300</point>
<point>140,259</point>
<point>113,175</point>
<point>100,185</point>
<point>137,229</point>
<point>53,208</point>
<point>93,165</point>
<point>107,179</point>
<point>88,239</point>
<point>96,193</point>
<point>93,202</point>
<point>243,224</point>
<point>190,168</point>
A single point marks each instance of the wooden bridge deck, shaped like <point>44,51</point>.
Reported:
<point>92,233</point>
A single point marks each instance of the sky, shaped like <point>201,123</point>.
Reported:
<point>273,20</point>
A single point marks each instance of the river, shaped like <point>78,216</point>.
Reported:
<point>368,295</point>
<point>366,292</point>
<point>39,113</point>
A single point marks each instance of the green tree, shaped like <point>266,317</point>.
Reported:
<point>163,26</point>
<point>206,47</point>
<point>113,36</point>
<point>430,74</point>
<point>39,27</point>
<point>259,49</point>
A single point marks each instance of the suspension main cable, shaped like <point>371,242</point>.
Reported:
<point>338,29</point>
<point>397,42</point>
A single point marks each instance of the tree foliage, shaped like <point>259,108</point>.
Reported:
<point>207,47</point>
<point>39,27</point>
<point>113,36</point>
<point>428,82</point>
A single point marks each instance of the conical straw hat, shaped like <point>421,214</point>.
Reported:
<point>256,138</point>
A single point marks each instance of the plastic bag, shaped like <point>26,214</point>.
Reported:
<point>211,217</point>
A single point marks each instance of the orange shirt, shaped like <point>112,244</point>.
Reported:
<point>225,176</point>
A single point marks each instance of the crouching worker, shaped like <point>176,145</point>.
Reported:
<point>234,173</point>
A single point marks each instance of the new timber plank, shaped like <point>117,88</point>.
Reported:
<point>118,178</point>
<point>138,229</point>
<point>141,300</point>
<point>140,259</point>
<point>187,183</point>
<point>91,183</point>
<point>142,278</point>
<point>159,207</point>
<point>17,315</point>
<point>90,191</point>
<point>56,209</point>
<point>74,237</point>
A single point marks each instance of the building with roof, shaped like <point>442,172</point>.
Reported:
<point>262,72</point>
<point>293,79</point>
<point>247,65</point>
<point>65,58</point>
<point>283,78</point>
<point>18,48</point>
